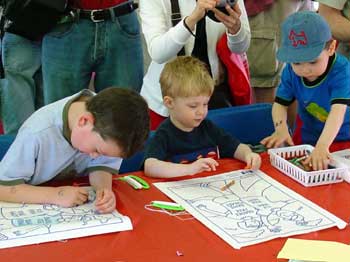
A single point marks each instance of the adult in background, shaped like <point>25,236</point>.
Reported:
<point>21,90</point>
<point>197,33</point>
<point>337,14</point>
<point>101,36</point>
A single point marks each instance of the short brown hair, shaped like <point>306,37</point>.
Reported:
<point>186,76</point>
<point>122,116</point>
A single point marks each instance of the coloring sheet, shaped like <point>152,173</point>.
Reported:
<point>24,224</point>
<point>254,209</point>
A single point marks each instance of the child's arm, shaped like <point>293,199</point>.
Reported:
<point>101,181</point>
<point>281,134</point>
<point>245,154</point>
<point>65,196</point>
<point>162,169</point>
<point>320,156</point>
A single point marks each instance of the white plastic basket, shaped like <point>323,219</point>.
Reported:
<point>278,158</point>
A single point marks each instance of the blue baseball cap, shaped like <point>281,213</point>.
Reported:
<point>304,36</point>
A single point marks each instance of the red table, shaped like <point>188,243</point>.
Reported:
<point>158,237</point>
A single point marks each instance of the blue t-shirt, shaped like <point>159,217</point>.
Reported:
<point>174,145</point>
<point>315,100</point>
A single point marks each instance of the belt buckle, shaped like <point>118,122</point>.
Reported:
<point>92,16</point>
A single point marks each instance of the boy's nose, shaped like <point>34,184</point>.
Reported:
<point>306,70</point>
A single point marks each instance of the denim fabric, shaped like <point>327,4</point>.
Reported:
<point>72,51</point>
<point>21,90</point>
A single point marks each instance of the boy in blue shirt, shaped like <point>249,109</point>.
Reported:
<point>85,134</point>
<point>186,143</point>
<point>319,79</point>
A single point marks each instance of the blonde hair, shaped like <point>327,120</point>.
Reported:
<point>186,76</point>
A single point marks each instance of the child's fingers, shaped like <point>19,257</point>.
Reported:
<point>289,141</point>
<point>83,191</point>
<point>106,208</point>
<point>83,197</point>
<point>99,195</point>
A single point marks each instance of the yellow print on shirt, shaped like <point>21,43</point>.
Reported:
<point>317,111</point>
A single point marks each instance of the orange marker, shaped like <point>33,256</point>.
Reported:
<point>227,185</point>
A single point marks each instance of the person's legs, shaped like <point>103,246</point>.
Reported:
<point>119,53</point>
<point>264,67</point>
<point>66,60</point>
<point>22,62</point>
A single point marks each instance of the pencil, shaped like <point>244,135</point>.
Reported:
<point>231,183</point>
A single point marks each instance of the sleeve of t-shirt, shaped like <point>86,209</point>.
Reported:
<point>157,146</point>
<point>104,163</point>
<point>285,92</point>
<point>227,143</point>
<point>18,164</point>
<point>340,84</point>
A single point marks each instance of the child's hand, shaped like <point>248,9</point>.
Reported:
<point>319,158</point>
<point>105,201</point>
<point>253,161</point>
<point>69,196</point>
<point>203,164</point>
<point>277,139</point>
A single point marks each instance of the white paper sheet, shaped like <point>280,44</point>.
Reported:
<point>253,210</point>
<point>24,224</point>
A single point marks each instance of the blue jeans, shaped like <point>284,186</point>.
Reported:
<point>21,90</point>
<point>72,51</point>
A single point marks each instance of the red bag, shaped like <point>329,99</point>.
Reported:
<point>237,68</point>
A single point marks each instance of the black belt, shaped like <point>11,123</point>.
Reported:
<point>100,15</point>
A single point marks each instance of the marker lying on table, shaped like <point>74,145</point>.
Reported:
<point>135,181</point>
<point>167,205</point>
<point>231,183</point>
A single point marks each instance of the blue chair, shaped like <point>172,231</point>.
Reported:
<point>133,163</point>
<point>5,142</point>
<point>249,123</point>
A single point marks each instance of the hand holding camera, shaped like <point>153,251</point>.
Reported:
<point>223,3</point>
<point>218,11</point>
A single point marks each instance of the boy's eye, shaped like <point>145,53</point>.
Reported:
<point>313,62</point>
<point>192,106</point>
<point>296,64</point>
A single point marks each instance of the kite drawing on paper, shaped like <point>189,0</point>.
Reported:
<point>253,209</point>
<point>24,224</point>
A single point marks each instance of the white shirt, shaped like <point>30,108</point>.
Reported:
<point>164,42</point>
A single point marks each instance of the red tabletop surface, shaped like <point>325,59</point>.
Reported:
<point>158,236</point>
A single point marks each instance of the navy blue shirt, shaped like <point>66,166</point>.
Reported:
<point>207,140</point>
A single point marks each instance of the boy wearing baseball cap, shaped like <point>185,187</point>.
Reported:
<point>319,79</point>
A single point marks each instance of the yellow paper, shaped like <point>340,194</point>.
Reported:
<point>315,250</point>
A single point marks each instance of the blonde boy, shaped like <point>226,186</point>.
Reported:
<point>186,143</point>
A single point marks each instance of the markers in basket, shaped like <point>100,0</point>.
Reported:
<point>299,159</point>
<point>231,183</point>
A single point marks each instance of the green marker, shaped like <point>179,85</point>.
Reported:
<point>167,205</point>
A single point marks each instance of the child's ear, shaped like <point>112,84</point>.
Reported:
<point>85,119</point>
<point>332,47</point>
<point>168,101</point>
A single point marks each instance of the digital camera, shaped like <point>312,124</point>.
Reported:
<point>221,6</point>
<point>223,3</point>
